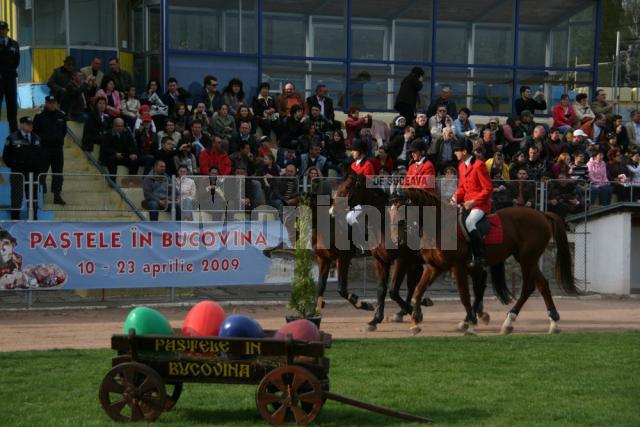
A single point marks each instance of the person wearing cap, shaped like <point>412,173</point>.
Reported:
<point>361,165</point>
<point>579,141</point>
<point>421,173</point>
<point>51,126</point>
<point>147,143</point>
<point>9,62</point>
<point>474,193</point>
<point>61,77</point>
<point>22,154</point>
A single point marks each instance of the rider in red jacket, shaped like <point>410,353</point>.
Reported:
<point>420,173</point>
<point>361,165</point>
<point>474,193</point>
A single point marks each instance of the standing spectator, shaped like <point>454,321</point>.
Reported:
<point>463,124</point>
<point>633,129</point>
<point>147,143</point>
<point>409,94</point>
<point>174,95</point>
<point>440,121</point>
<point>523,191</point>
<point>108,91</point>
<point>601,106</point>
<point>214,156</point>
<point>185,193</point>
<point>399,146</point>
<point>166,154</point>
<point>581,107</point>
<point>156,190</point>
<point>563,114</point>
<point>441,150</point>
<point>323,102</point>
<point>531,104</point>
<point>94,70</point>
<point>52,126</point>
<point>121,77</point>
<point>61,77</point>
<point>223,124</point>
<point>119,149</point>
<point>97,127</point>
<point>600,188</point>
<point>446,99</point>
<point>210,95</point>
<point>244,116</point>
<point>131,107</point>
<point>22,154</point>
<point>288,99</point>
<point>77,93</point>
<point>9,62</point>
<point>233,95</point>
<point>264,108</point>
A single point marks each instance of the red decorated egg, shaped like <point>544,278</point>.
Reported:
<point>203,320</point>
<point>301,330</point>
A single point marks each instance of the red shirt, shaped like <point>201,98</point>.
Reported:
<point>363,167</point>
<point>559,118</point>
<point>421,175</point>
<point>474,184</point>
<point>220,160</point>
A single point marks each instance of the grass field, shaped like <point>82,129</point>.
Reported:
<point>581,379</point>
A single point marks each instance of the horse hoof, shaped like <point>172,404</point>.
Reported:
<point>366,306</point>
<point>415,330</point>
<point>463,326</point>
<point>396,318</point>
<point>554,330</point>
<point>427,302</point>
<point>470,333</point>
<point>506,330</point>
<point>371,328</point>
<point>485,318</point>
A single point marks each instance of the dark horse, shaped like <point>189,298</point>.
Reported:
<point>396,262</point>
<point>527,233</point>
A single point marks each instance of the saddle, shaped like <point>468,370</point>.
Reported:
<point>489,227</point>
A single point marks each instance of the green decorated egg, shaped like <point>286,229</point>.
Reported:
<point>147,321</point>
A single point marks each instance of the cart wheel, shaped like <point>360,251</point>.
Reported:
<point>136,387</point>
<point>289,394</point>
<point>173,394</point>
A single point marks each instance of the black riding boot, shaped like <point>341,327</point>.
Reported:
<point>477,250</point>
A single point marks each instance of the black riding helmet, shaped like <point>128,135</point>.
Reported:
<point>463,144</point>
<point>359,146</point>
<point>416,145</point>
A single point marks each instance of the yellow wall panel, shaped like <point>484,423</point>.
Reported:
<point>126,61</point>
<point>45,61</point>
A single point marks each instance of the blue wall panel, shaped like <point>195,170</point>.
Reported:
<point>25,74</point>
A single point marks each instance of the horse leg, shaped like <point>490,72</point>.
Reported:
<point>528,286</point>
<point>479,280</point>
<point>396,280</point>
<point>324,265</point>
<point>429,275</point>
<point>383,273</point>
<point>543,287</point>
<point>468,325</point>
<point>342,264</point>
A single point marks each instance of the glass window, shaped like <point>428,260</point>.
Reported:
<point>49,23</point>
<point>213,25</point>
<point>554,83</point>
<point>125,16</point>
<point>93,22</point>
<point>532,46</point>
<point>25,23</point>
<point>493,44</point>
<point>452,42</point>
<point>283,34</point>
<point>154,32</point>
<point>374,87</point>
<point>481,90</point>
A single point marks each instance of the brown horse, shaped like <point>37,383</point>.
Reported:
<point>527,233</point>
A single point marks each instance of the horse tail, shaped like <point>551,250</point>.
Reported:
<point>563,270</point>
<point>499,283</point>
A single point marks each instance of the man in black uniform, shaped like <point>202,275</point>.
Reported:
<point>22,153</point>
<point>9,61</point>
<point>51,125</point>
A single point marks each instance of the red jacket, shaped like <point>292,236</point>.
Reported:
<point>421,175</point>
<point>474,184</point>
<point>363,167</point>
<point>559,119</point>
<point>220,160</point>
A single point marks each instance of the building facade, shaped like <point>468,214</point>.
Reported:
<point>361,49</point>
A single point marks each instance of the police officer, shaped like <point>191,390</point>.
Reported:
<point>51,126</point>
<point>22,153</point>
<point>9,61</point>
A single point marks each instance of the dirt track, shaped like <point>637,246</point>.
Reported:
<point>40,329</point>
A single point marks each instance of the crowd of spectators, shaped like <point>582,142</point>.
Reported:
<point>217,133</point>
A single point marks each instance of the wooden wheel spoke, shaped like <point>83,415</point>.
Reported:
<point>116,407</point>
<point>297,381</point>
<point>146,386</point>
<point>279,415</point>
<point>136,412</point>
<point>269,398</point>
<point>278,383</point>
<point>153,402</point>
<point>310,397</point>
<point>128,375</point>
<point>299,414</point>
<point>115,386</point>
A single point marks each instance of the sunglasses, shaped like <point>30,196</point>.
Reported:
<point>442,111</point>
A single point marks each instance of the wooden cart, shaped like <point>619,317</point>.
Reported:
<point>292,376</point>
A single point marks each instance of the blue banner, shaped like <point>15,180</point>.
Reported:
<point>95,255</point>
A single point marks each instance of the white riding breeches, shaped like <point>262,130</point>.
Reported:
<point>472,219</point>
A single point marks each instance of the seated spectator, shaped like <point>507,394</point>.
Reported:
<point>563,197</point>
<point>253,195</point>
<point>171,131</point>
<point>269,167</point>
<point>166,154</point>
<point>397,127</point>
<point>422,129</point>
<point>366,137</point>
<point>318,186</point>
<point>109,92</point>
<point>579,141</point>
<point>536,166</point>
<point>562,165</point>
<point>399,146</point>
<point>185,193</point>
<point>288,99</point>
<point>319,123</point>
<point>200,114</point>
<point>223,124</point>
<point>446,99</point>
<point>122,78</point>
<point>119,148</point>
<point>581,107</point>
<point>439,122</point>
<point>147,143</point>
<point>214,156</point>
<point>233,96</point>
<point>76,96</point>
<point>498,167</point>
<point>523,190</point>
<point>354,124</point>
<point>244,156</point>
<point>281,192</point>
<point>185,157</point>
<point>578,169</point>
<point>336,151</point>
<point>600,105</point>
<point>245,136</point>
<point>463,124</point>
<point>499,174</point>
<point>144,110</point>
<point>619,175</point>
<point>527,123</point>
<point>519,160</point>
<point>487,142</point>
<point>324,103</point>
<point>496,132</point>
<point>514,136</point>
<point>556,144</point>
<point>596,129</point>
<point>130,108</point>
<point>538,140</point>
<point>382,159</point>
<point>199,140</point>
<point>441,150</point>
<point>448,184</point>
<point>293,128</point>
<point>264,109</point>
<point>174,95</point>
<point>600,187</point>
<point>181,117</point>
<point>61,77</point>
<point>529,103</point>
<point>563,114</point>
<point>93,72</point>
<point>210,95</point>
<point>152,97</point>
<point>244,116</point>
<point>156,191</point>
<point>312,158</point>
<point>97,127</point>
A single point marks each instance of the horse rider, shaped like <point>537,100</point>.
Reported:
<point>421,173</point>
<point>474,193</point>
<point>361,165</point>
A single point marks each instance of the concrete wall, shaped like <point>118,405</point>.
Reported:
<point>635,251</point>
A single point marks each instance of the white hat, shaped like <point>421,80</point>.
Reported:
<point>580,132</point>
